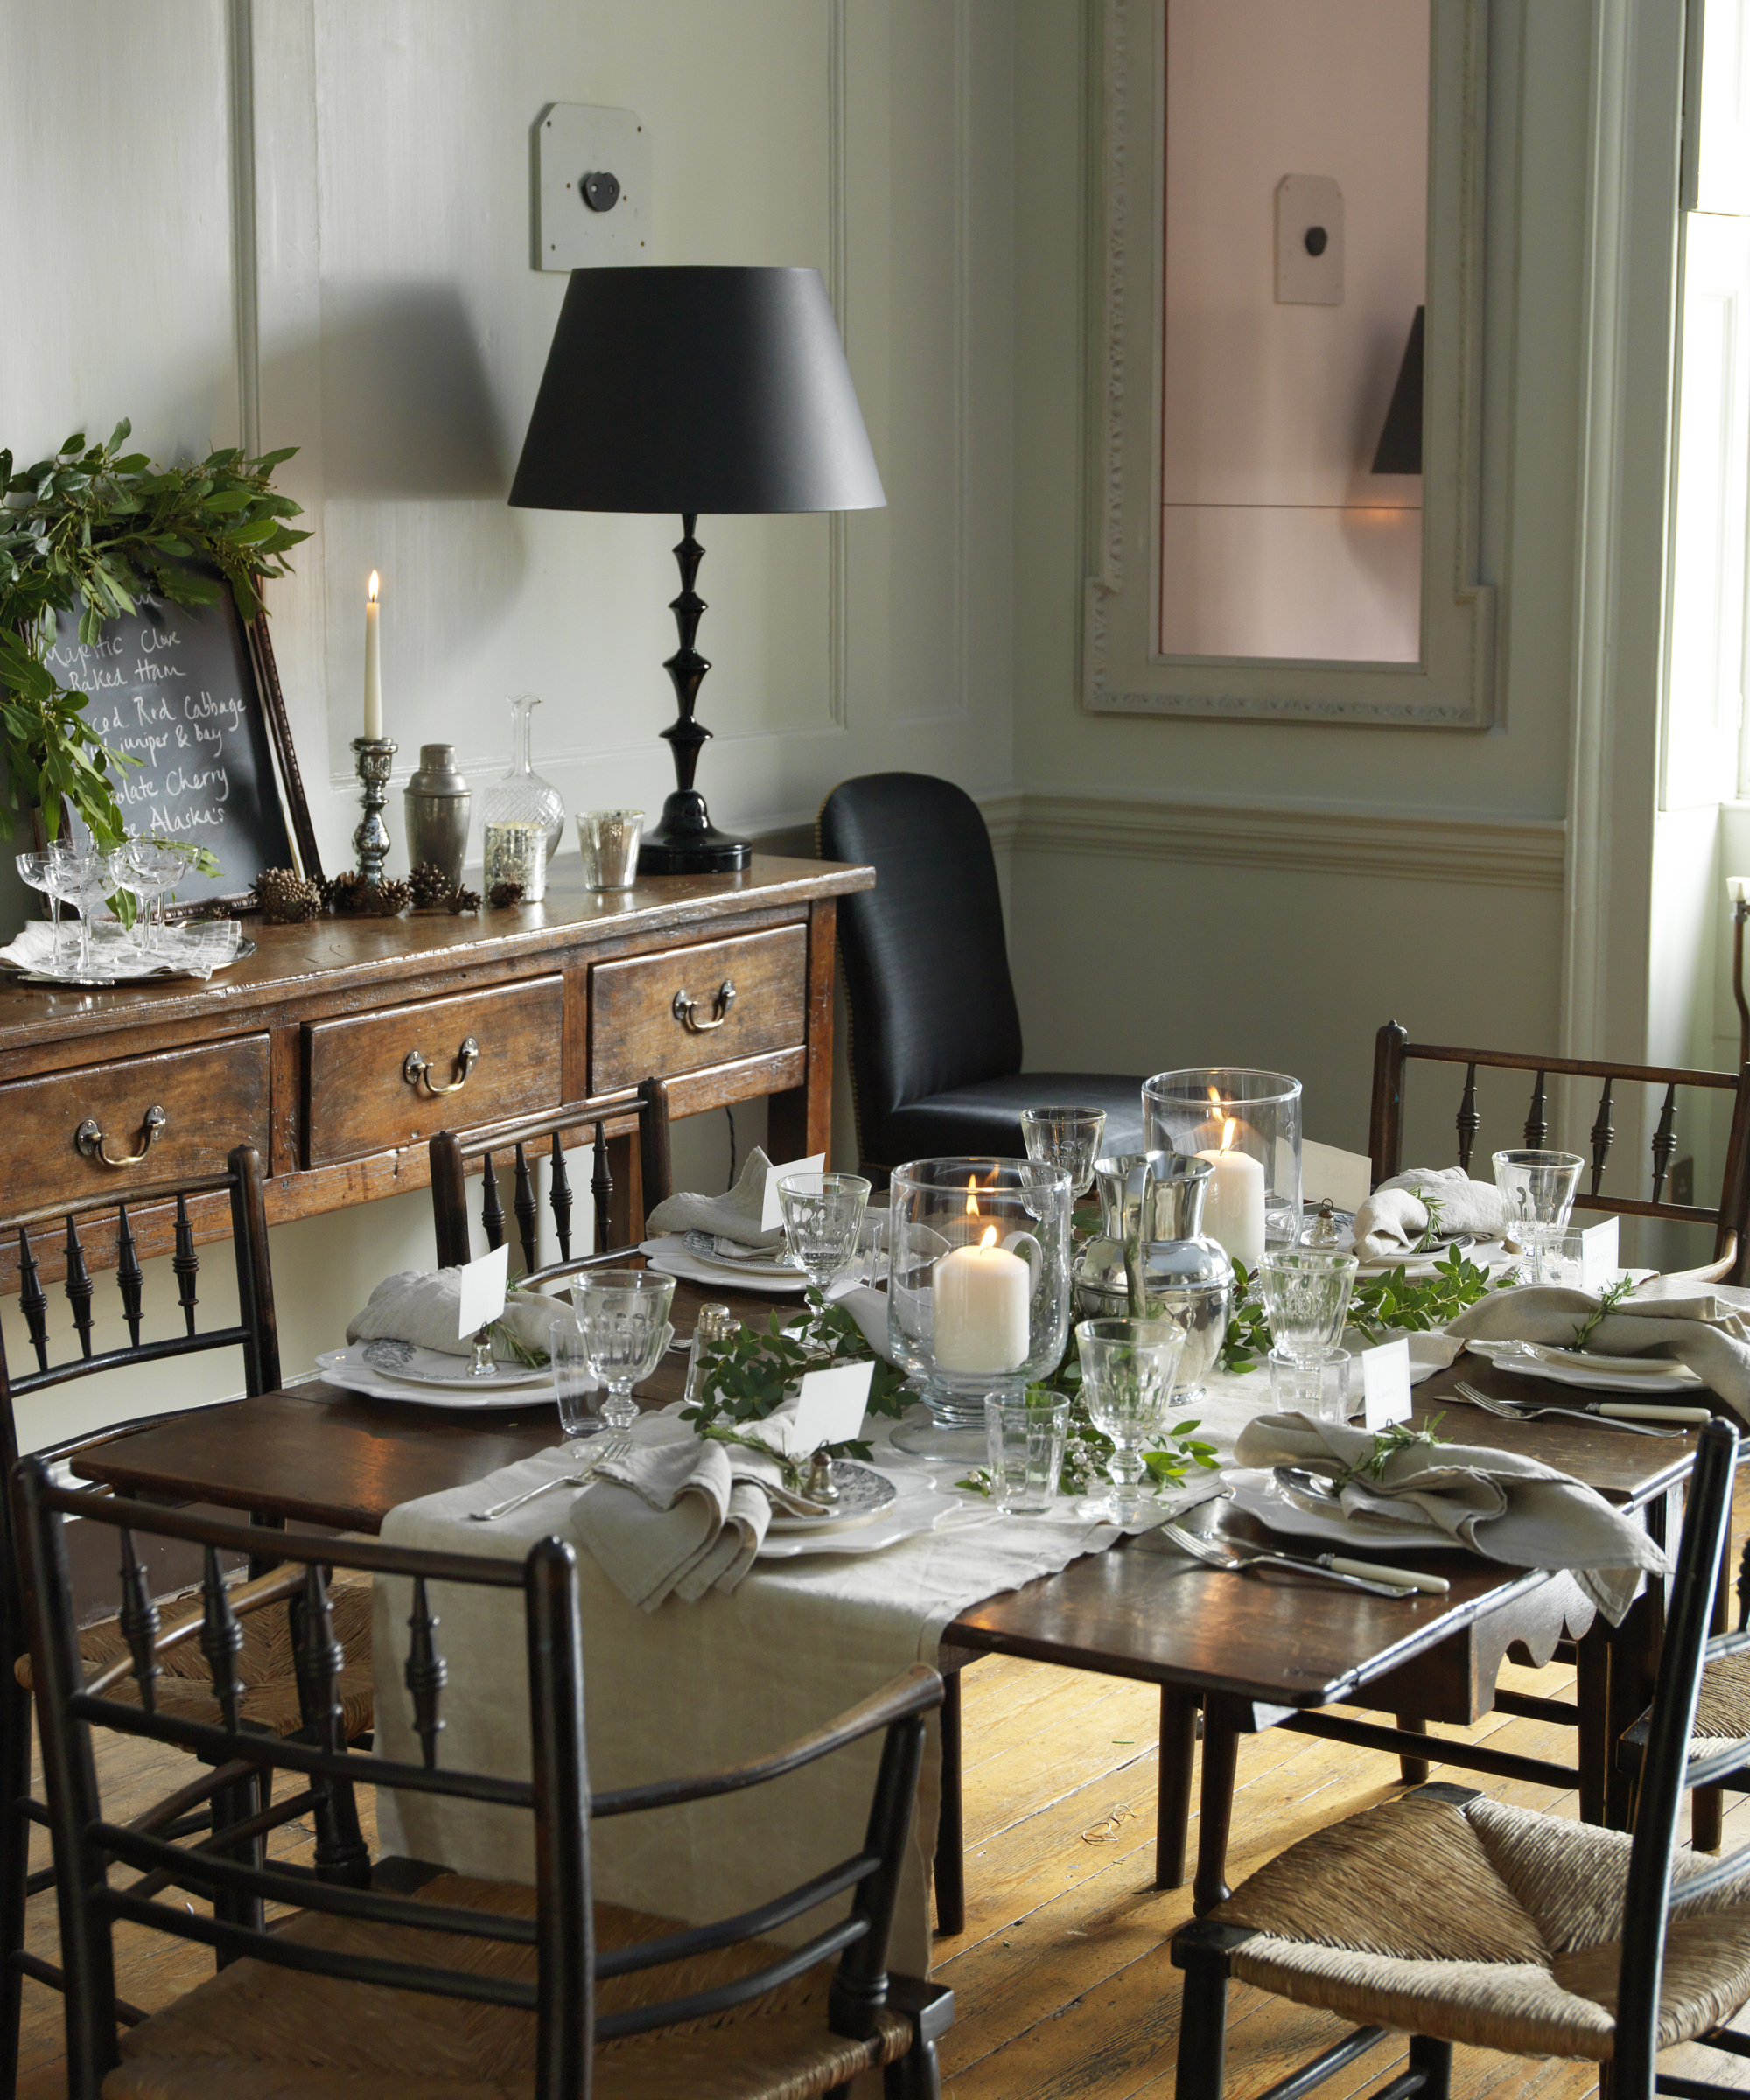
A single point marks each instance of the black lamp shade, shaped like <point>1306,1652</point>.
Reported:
<point>696,390</point>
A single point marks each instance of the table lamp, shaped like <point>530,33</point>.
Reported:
<point>694,390</point>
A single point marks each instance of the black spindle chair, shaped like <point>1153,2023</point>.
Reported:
<point>1730,1217</point>
<point>644,1108</point>
<point>490,1985</point>
<point>67,1245</point>
<point>1451,1918</point>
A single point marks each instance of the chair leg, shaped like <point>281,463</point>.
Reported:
<point>1204,1951</point>
<point>15,1780</point>
<point>917,2076</point>
<point>236,1804</point>
<point>1707,1818</point>
<point>950,1835</point>
<point>1179,1716</point>
<point>1215,1804</point>
<point>1434,2060</point>
<point>1414,1769</point>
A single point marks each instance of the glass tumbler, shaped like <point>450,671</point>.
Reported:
<point>624,1315</point>
<point>1066,1138</point>
<point>1128,1369</point>
<point>1537,1188</point>
<point>1247,1124</point>
<point>1305,1292</point>
<point>575,1385</point>
<point>1024,1443</point>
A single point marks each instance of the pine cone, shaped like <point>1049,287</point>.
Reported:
<point>346,892</point>
<point>503,893</point>
<point>465,900</point>
<point>429,884</point>
<point>285,898</point>
<point>392,897</point>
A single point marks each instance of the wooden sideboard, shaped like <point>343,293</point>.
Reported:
<point>327,1048</point>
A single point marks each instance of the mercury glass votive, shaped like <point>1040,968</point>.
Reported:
<point>977,1288</point>
<point>516,851</point>
<point>1247,1124</point>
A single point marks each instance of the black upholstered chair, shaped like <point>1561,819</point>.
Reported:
<point>935,1035</point>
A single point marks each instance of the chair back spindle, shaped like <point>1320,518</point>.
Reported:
<point>1469,1121</point>
<point>1664,1141</point>
<point>1537,1118</point>
<point>523,1203</point>
<point>425,1674</point>
<point>129,1275</point>
<point>33,1299</point>
<point>185,1262</point>
<point>559,1196</point>
<point>1603,1136</point>
<point>78,1287</point>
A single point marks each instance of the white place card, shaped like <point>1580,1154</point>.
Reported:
<point>770,1211</point>
<point>1347,1178</point>
<point>1600,1255</point>
<point>830,1406</point>
<point>483,1286</point>
<point>1385,1384</point>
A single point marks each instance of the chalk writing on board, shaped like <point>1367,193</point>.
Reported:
<point>173,687</point>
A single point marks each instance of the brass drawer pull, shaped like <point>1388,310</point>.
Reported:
<point>686,1010</point>
<point>90,1139</point>
<point>418,1066</point>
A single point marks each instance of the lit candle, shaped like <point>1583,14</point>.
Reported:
<point>374,696</point>
<point>982,1297</point>
<point>1233,1211</point>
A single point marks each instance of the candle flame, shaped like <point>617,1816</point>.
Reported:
<point>972,1196</point>
<point>1215,1096</point>
<point>1228,1129</point>
<point>988,1237</point>
<point>371,595</point>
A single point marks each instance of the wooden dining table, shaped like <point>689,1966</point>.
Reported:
<point>1248,1652</point>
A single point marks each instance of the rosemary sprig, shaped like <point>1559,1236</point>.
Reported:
<point>1394,1437</point>
<point>1436,1210</point>
<point>505,1340</point>
<point>1608,1300</point>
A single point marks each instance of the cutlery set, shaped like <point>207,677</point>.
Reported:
<point>608,1444</point>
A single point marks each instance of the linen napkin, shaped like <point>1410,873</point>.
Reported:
<point>1394,1218</point>
<point>1503,1506</point>
<point>1666,1316</point>
<point>681,1514</point>
<point>734,1217</point>
<point>423,1306</point>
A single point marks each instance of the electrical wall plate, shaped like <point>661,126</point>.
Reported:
<point>577,228</point>
<point>1309,242</point>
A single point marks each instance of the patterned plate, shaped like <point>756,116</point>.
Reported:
<point>863,1495</point>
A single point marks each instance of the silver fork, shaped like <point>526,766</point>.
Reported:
<point>609,1445</point>
<point>1528,1410</point>
<point>1236,1559</point>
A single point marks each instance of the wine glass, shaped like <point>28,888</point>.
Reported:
<point>83,878</point>
<point>624,1315</point>
<point>822,1217</point>
<point>1128,1367</point>
<point>36,869</point>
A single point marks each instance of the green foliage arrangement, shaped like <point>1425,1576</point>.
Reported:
<point>99,529</point>
<point>1384,1305</point>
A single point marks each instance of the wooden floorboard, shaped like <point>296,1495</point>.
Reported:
<point>1062,1984</point>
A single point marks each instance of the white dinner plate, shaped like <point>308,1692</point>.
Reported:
<point>1601,1374</point>
<point>1257,1492</point>
<point>428,1378</point>
<point>1486,1253</point>
<point>671,1254</point>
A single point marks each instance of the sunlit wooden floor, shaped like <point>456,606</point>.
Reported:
<point>1062,1985</point>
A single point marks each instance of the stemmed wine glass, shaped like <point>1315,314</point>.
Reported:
<point>823,1218</point>
<point>152,870</point>
<point>1128,1367</point>
<point>624,1316</point>
<point>82,878</point>
<point>36,869</point>
<point>1068,1137</point>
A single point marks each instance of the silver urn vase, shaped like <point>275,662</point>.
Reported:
<point>437,800</point>
<point>1151,1216</point>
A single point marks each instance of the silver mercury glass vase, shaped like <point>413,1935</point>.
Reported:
<point>1151,1216</point>
<point>439,802</point>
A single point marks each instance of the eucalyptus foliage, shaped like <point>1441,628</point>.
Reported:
<point>98,530</point>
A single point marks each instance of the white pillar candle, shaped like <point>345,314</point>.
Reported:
<point>374,698</point>
<point>981,1297</point>
<point>1233,1211</point>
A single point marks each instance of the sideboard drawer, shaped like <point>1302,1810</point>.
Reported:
<point>671,1013</point>
<point>367,1091</point>
<point>185,1108</point>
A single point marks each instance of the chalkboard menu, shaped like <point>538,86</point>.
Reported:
<point>192,695</point>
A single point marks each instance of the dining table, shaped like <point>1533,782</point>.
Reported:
<point>1231,1654</point>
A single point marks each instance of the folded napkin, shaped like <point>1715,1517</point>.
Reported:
<point>1504,1507</point>
<point>681,1514</point>
<point>1665,1317</point>
<point>734,1217</point>
<point>1394,1218</point>
<point>424,1307</point>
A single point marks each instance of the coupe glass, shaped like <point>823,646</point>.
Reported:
<point>1128,1368</point>
<point>624,1315</point>
<point>84,879</point>
<point>1066,1138</point>
<point>822,1217</point>
<point>36,869</point>
<point>1305,1292</point>
<point>151,872</point>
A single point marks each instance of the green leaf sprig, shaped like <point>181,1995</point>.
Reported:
<point>757,1368</point>
<point>1394,1437</point>
<point>1608,1300</point>
<point>1431,1232</point>
<point>98,529</point>
<point>1394,1302</point>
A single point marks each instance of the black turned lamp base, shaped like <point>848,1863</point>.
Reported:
<point>685,841</point>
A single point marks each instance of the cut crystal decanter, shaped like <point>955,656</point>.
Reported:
<point>522,796</point>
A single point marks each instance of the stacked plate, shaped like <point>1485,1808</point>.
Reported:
<point>704,1257</point>
<point>401,1370</point>
<point>1588,1368</point>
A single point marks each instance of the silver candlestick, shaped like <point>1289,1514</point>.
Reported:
<point>374,756</point>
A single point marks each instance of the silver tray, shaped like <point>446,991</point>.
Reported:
<point>103,982</point>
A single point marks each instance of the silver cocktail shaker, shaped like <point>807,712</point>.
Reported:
<point>439,801</point>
